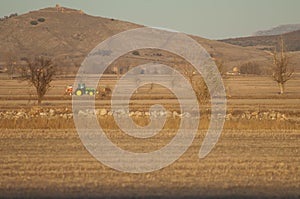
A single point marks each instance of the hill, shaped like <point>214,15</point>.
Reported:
<point>279,30</point>
<point>292,41</point>
<point>68,35</point>
<point>65,34</point>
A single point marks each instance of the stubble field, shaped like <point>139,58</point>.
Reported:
<point>261,159</point>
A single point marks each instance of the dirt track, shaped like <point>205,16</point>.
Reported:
<point>243,163</point>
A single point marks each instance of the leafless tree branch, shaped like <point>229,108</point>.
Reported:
<point>282,72</point>
<point>39,72</point>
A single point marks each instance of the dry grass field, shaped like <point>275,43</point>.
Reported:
<point>244,163</point>
<point>42,157</point>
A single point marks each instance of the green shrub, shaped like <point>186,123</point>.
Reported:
<point>136,53</point>
<point>41,19</point>
<point>13,15</point>
<point>34,23</point>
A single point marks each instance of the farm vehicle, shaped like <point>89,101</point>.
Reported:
<point>83,90</point>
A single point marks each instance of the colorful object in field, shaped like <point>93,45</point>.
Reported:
<point>83,90</point>
<point>69,90</point>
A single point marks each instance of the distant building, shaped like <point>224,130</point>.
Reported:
<point>235,71</point>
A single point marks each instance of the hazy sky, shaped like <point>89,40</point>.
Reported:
<point>213,19</point>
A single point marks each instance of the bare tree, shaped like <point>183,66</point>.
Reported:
<point>39,72</point>
<point>281,70</point>
<point>198,84</point>
<point>11,62</point>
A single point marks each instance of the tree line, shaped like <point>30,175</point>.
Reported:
<point>39,72</point>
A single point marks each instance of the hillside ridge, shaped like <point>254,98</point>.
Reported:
<point>69,35</point>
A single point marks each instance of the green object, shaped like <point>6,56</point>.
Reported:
<point>41,19</point>
<point>34,23</point>
<point>83,90</point>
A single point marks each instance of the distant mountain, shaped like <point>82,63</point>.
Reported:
<point>278,30</point>
<point>292,41</point>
